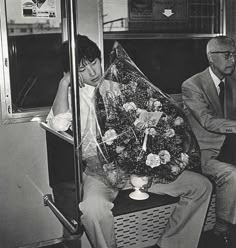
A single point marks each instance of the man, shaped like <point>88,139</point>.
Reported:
<point>210,98</point>
<point>186,222</point>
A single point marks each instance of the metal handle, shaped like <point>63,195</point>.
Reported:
<point>72,228</point>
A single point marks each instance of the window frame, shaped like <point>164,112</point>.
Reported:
<point>37,114</point>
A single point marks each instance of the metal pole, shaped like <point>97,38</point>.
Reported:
<point>72,32</point>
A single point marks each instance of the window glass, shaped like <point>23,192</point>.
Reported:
<point>165,38</point>
<point>166,62</point>
<point>35,69</point>
<point>164,16</point>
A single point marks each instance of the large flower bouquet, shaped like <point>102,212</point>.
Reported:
<point>141,130</point>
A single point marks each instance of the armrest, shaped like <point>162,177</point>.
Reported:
<point>60,153</point>
<point>64,135</point>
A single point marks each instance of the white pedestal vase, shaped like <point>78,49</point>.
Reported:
<point>138,183</point>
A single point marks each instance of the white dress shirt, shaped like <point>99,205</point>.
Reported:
<point>63,121</point>
<point>216,80</point>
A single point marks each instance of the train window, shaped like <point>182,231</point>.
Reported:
<point>163,35</point>
<point>31,38</point>
<point>163,16</point>
<point>157,57</point>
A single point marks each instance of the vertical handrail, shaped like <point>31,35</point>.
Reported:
<point>72,33</point>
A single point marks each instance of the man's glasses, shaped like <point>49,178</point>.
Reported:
<point>227,54</point>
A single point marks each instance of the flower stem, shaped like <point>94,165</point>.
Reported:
<point>144,147</point>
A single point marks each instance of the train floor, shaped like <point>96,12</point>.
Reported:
<point>204,243</point>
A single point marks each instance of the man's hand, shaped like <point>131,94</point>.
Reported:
<point>65,81</point>
<point>81,81</point>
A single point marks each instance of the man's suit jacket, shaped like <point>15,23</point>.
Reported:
<point>210,124</point>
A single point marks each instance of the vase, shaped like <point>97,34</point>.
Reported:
<point>138,183</point>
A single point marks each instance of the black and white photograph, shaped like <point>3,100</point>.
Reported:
<point>118,124</point>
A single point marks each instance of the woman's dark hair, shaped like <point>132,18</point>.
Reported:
<point>87,50</point>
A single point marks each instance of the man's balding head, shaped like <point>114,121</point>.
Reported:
<point>219,43</point>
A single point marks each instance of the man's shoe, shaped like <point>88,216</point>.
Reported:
<point>217,241</point>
